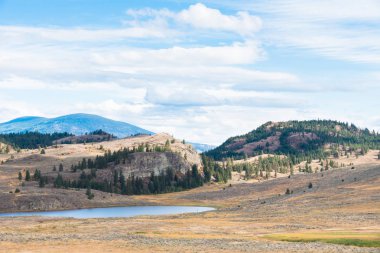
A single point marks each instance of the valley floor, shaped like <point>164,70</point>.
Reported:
<point>343,207</point>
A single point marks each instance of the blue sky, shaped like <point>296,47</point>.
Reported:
<point>203,71</point>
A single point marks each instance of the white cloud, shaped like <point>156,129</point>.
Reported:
<point>110,107</point>
<point>11,108</point>
<point>172,96</point>
<point>323,10</point>
<point>237,53</point>
<point>20,83</point>
<point>15,33</point>
<point>200,16</point>
<point>339,29</point>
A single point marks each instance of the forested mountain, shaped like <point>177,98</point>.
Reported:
<point>77,124</point>
<point>314,139</point>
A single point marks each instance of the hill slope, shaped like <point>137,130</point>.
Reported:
<point>309,138</point>
<point>77,124</point>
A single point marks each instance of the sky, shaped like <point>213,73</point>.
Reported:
<point>202,71</point>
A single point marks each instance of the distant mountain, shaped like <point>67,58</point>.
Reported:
<point>202,147</point>
<point>77,124</point>
<point>310,139</point>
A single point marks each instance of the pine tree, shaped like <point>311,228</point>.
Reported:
<point>89,194</point>
<point>37,174</point>
<point>167,145</point>
<point>19,175</point>
<point>60,167</point>
<point>27,176</point>
<point>58,182</point>
<point>42,182</point>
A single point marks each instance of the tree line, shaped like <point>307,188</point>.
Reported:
<point>31,140</point>
<point>169,180</point>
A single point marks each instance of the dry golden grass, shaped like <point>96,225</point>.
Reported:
<point>255,216</point>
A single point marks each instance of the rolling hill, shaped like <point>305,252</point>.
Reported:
<point>77,124</point>
<point>314,138</point>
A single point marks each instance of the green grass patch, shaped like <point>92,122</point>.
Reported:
<point>140,232</point>
<point>344,238</point>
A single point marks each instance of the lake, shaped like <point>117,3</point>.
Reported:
<point>114,212</point>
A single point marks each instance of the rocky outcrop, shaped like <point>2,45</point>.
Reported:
<point>143,164</point>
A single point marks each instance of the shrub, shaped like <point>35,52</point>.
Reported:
<point>89,194</point>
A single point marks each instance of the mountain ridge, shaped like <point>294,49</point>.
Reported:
<point>79,124</point>
<point>298,138</point>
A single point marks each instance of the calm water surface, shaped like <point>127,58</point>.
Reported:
<point>112,212</point>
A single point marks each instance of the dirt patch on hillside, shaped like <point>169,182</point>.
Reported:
<point>270,143</point>
<point>295,140</point>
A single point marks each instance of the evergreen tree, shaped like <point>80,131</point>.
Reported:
<point>27,176</point>
<point>60,167</point>
<point>58,182</point>
<point>167,145</point>
<point>19,175</point>
<point>123,186</point>
<point>41,182</point>
<point>89,194</point>
<point>36,175</point>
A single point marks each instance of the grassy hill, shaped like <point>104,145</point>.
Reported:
<point>314,139</point>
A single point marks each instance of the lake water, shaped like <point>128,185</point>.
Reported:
<point>114,212</point>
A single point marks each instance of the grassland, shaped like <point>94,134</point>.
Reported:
<point>340,213</point>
